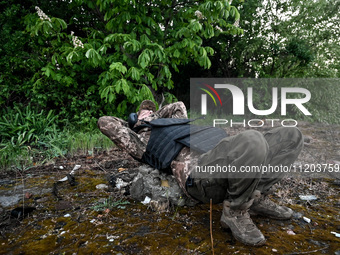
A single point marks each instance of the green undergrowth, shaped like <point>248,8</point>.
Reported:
<point>29,137</point>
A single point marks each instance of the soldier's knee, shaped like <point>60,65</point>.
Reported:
<point>254,143</point>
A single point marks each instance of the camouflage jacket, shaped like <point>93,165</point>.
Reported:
<point>135,143</point>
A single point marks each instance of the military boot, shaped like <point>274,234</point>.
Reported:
<point>241,225</point>
<point>264,206</point>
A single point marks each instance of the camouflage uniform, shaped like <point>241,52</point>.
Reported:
<point>278,146</point>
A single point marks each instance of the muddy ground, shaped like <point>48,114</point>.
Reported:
<point>75,217</point>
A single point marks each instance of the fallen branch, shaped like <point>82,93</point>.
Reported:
<point>307,252</point>
<point>211,235</point>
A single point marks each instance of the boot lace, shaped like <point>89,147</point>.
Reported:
<point>243,218</point>
<point>264,201</point>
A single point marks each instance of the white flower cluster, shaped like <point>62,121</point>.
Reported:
<point>76,41</point>
<point>199,14</point>
<point>218,28</point>
<point>237,23</point>
<point>42,15</point>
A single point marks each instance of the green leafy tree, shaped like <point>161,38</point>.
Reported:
<point>124,51</point>
<point>281,39</point>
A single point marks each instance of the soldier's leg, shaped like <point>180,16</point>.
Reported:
<point>244,151</point>
<point>119,132</point>
<point>248,149</point>
<point>285,145</point>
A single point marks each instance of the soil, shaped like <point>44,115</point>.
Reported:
<point>47,216</point>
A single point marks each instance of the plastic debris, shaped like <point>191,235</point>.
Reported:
<point>146,200</point>
<point>111,238</point>
<point>63,179</point>
<point>76,167</point>
<point>336,234</point>
<point>307,219</point>
<point>102,186</point>
<point>274,250</point>
<point>92,221</point>
<point>61,167</point>
<point>120,183</point>
<point>291,232</point>
<point>308,197</point>
<point>67,215</point>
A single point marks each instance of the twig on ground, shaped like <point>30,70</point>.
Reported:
<point>307,252</point>
<point>211,234</point>
<point>100,167</point>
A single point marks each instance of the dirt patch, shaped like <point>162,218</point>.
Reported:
<point>79,218</point>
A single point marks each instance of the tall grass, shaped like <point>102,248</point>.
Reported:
<point>29,137</point>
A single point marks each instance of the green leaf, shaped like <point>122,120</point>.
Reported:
<point>119,67</point>
<point>134,73</point>
<point>144,58</point>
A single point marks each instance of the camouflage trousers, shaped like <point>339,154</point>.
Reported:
<point>278,147</point>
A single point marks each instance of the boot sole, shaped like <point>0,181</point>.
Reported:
<point>252,213</point>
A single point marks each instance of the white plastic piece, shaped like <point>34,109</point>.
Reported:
<point>67,215</point>
<point>146,200</point>
<point>336,234</point>
<point>102,186</point>
<point>120,183</point>
<point>308,197</point>
<point>75,168</point>
<point>63,180</point>
<point>306,219</point>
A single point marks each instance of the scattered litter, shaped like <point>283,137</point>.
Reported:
<point>76,167</point>
<point>67,215</point>
<point>63,179</point>
<point>336,234</point>
<point>111,238</point>
<point>165,183</point>
<point>92,221</point>
<point>62,232</point>
<point>308,197</point>
<point>102,186</point>
<point>120,183</point>
<point>61,167</point>
<point>291,232</point>
<point>146,200</point>
<point>121,169</point>
<point>306,219</point>
<point>274,250</point>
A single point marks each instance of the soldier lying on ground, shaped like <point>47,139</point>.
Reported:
<point>240,193</point>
